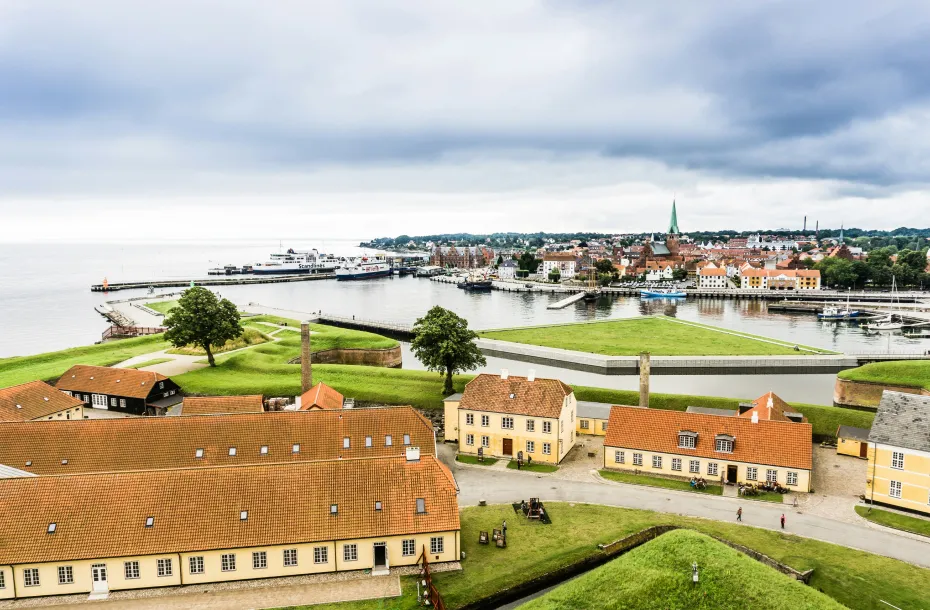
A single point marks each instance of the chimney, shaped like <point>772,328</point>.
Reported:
<point>755,417</point>
<point>413,454</point>
<point>306,367</point>
<point>531,375</point>
<point>644,380</point>
<point>505,373</point>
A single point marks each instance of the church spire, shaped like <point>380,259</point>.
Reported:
<point>841,233</point>
<point>673,223</point>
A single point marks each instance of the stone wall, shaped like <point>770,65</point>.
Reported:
<point>390,358</point>
<point>866,394</point>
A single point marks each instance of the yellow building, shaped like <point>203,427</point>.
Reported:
<point>507,416</point>
<point>852,441</point>
<point>38,400</point>
<point>592,418</point>
<point>719,449</point>
<point>899,453</point>
<point>161,528</point>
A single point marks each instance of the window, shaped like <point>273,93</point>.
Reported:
<point>637,459</point>
<point>113,402</point>
<point>724,445</point>
<point>196,564</point>
<point>792,478</point>
<point>547,427</point>
<point>31,577</point>
<point>232,451</point>
<point>507,423</point>
<point>131,569</point>
<point>694,466</point>
<point>895,489</point>
<point>469,439</point>
<point>436,545</point>
<point>65,575</point>
<point>52,527</point>
<point>290,557</point>
<point>198,453</point>
<point>228,562</point>
<point>149,521</point>
<point>368,441</point>
<point>547,448</point>
<point>243,515</point>
<point>485,420</point>
<point>346,443</point>
<point>421,505</point>
<point>657,461</point>
<point>712,469</point>
<point>333,509</point>
<point>259,560</point>
<point>321,554</point>
<point>263,450</point>
<point>619,457</point>
<point>164,567</point>
<point>751,473</point>
<point>604,426</point>
<point>3,574</point>
<point>469,419</point>
<point>897,460</point>
<point>676,464</point>
<point>388,441</point>
<point>350,552</point>
<point>530,446</point>
<point>406,439</point>
<point>122,403</point>
<point>485,441</point>
<point>686,441</point>
<point>531,425</point>
<point>584,424</point>
<point>295,448</point>
<point>161,385</point>
<point>771,476</point>
<point>409,547</point>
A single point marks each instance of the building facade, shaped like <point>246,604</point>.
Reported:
<point>566,263</point>
<point>898,472</point>
<point>712,277</point>
<point>780,279</point>
<point>38,400</point>
<point>462,257</point>
<point>121,390</point>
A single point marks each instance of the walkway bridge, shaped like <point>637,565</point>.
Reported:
<point>395,330</point>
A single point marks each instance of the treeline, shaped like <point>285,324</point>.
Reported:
<point>909,268</point>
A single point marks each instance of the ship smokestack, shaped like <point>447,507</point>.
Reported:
<point>644,380</point>
<point>306,367</point>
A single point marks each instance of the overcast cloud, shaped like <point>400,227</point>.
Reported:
<point>368,118</point>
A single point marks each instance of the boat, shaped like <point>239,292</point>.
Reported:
<point>476,283</point>
<point>891,321</point>
<point>364,268</point>
<point>666,293</point>
<point>297,262</point>
<point>836,313</point>
<point>592,293</point>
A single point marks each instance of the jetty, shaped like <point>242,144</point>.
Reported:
<point>224,281</point>
<point>566,301</point>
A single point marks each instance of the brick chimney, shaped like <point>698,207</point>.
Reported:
<point>306,367</point>
<point>644,379</point>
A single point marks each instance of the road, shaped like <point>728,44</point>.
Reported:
<point>500,487</point>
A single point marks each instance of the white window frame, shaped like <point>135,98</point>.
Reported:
<point>320,554</point>
<point>547,427</point>
<point>469,419</point>
<point>694,466</point>
<point>346,442</point>
<point>406,439</point>
<point>112,401</point>
<point>657,461</point>
<point>31,577</point>
<point>712,469</point>
<point>289,558</point>
<point>531,446</point>
<point>259,560</point>
<point>485,421</point>
<point>897,460</point>
<point>195,564</point>
<point>676,464</point>
<point>131,570</point>
<point>469,439</point>
<point>368,441</point>
<point>604,426</point>
<point>724,445</point>
<point>506,423</point>
<point>65,575</point>
<point>486,442</point>
<point>751,473</point>
<point>350,552</point>
<point>228,562</point>
<point>637,459</point>
<point>583,424</point>
<point>771,475</point>
<point>894,489</point>
<point>792,478</point>
<point>619,457</point>
<point>2,573</point>
<point>531,425</point>
<point>437,545</point>
<point>388,440</point>
<point>408,547</point>
<point>547,449</point>
<point>122,403</point>
<point>686,441</point>
<point>164,567</point>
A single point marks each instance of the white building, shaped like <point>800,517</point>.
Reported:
<point>712,277</point>
<point>507,270</point>
<point>565,262</point>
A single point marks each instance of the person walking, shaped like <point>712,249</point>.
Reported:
<point>504,528</point>
<point>739,514</point>
<point>783,521</point>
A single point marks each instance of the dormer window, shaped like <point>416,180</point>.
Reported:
<point>421,506</point>
<point>687,439</point>
<point>346,443</point>
<point>52,527</point>
<point>388,441</point>
<point>198,453</point>
<point>724,443</point>
<point>368,441</point>
<point>149,521</point>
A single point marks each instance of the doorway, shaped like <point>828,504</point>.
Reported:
<point>508,446</point>
<point>863,450</point>
<point>98,572</point>
<point>99,401</point>
<point>731,473</point>
<point>380,556</point>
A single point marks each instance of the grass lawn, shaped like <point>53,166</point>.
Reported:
<point>910,373</point>
<point>50,365</point>
<point>473,459</point>
<point>658,335</point>
<point>657,575</point>
<point>853,578</point>
<point>767,496</point>
<point>250,336</point>
<point>890,519</point>
<point>152,362</point>
<point>512,464</point>
<point>645,479</point>
<point>163,306</point>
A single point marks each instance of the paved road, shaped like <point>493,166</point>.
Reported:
<point>500,487</point>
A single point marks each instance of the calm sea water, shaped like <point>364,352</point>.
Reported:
<point>46,304</point>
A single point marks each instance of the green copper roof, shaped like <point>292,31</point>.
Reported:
<point>673,224</point>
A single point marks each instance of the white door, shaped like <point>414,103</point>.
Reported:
<point>99,401</point>
<point>99,573</point>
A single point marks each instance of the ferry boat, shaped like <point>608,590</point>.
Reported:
<point>662,293</point>
<point>364,268</point>
<point>296,262</point>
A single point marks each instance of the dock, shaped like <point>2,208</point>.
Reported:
<point>566,301</point>
<point>224,281</point>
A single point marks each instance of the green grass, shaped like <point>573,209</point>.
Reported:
<point>909,373</point>
<point>657,576</point>
<point>162,306</point>
<point>890,519</point>
<point>473,459</point>
<point>152,362</point>
<point>512,464</point>
<point>51,365</point>
<point>658,335</point>
<point>767,496</point>
<point>645,479</point>
<point>250,336</point>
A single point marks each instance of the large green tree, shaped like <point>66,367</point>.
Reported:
<point>202,319</point>
<point>444,343</point>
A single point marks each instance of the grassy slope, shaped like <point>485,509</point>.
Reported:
<point>163,306</point>
<point>853,578</point>
<point>895,520</point>
<point>658,335</point>
<point>657,576</point>
<point>643,479</point>
<point>152,362</point>
<point>250,336</point>
<point>913,373</point>
<point>50,365</point>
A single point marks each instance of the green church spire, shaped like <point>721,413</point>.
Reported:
<point>841,233</point>
<point>673,223</point>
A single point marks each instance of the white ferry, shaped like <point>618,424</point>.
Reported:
<point>296,262</point>
<point>363,268</point>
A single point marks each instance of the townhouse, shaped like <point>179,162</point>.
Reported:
<point>566,263</point>
<point>899,453</point>
<point>712,276</point>
<point>38,400</point>
<point>122,390</point>
<point>780,279</point>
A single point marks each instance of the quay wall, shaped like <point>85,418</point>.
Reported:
<point>391,357</point>
<point>847,393</point>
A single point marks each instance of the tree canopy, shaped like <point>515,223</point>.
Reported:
<point>444,343</point>
<point>202,319</point>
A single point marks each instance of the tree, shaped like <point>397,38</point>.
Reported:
<point>401,240</point>
<point>528,261</point>
<point>605,265</point>
<point>555,275</point>
<point>443,342</point>
<point>203,320</point>
<point>500,260</point>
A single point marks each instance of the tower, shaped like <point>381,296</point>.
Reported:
<point>841,233</point>
<point>673,223</point>
<point>805,224</point>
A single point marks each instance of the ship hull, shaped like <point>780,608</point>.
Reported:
<point>350,274</point>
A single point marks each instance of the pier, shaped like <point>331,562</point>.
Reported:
<point>394,330</point>
<point>224,281</point>
<point>567,301</point>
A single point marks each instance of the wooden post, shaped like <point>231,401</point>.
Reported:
<point>644,379</point>
<point>306,367</point>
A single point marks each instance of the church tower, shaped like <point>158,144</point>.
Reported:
<point>671,240</point>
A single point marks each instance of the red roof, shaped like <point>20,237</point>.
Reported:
<point>33,400</point>
<point>775,412</point>
<point>321,396</point>
<point>131,383</point>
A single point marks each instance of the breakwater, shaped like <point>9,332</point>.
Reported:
<point>224,281</point>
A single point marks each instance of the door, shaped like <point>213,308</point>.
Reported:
<point>508,446</point>
<point>731,473</point>
<point>863,450</point>
<point>98,572</point>
<point>99,401</point>
<point>380,555</point>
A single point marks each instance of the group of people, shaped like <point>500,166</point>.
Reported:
<point>698,483</point>
<point>739,517</point>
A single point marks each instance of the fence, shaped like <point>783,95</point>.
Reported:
<point>122,332</point>
<point>431,592</point>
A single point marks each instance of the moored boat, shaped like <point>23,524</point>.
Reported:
<point>662,293</point>
<point>363,269</point>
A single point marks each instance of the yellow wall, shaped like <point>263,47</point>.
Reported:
<point>7,591</point>
<point>848,446</point>
<point>803,484</point>
<point>116,576</point>
<point>596,427</point>
<point>914,478</point>
<point>75,413</point>
<point>451,420</point>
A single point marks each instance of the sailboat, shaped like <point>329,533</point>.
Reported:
<point>833,312</point>
<point>592,293</point>
<point>888,322</point>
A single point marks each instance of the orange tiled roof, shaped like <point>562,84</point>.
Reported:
<point>781,272</point>
<point>109,380</point>
<point>213,405</point>
<point>106,445</point>
<point>775,413</point>
<point>712,271</point>
<point>540,397</point>
<point>198,509</point>
<point>560,256</point>
<point>321,396</point>
<point>771,443</point>
<point>33,400</point>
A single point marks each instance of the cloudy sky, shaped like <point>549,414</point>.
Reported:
<point>360,118</point>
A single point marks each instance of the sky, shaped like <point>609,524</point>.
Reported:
<point>200,119</point>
